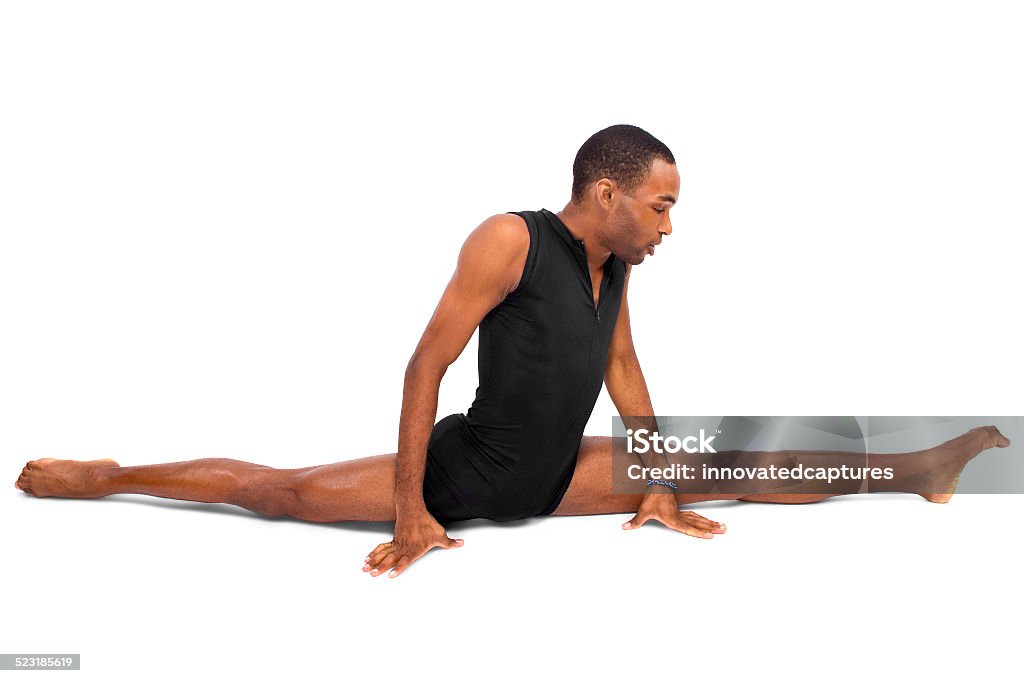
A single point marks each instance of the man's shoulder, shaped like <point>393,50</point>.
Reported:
<point>507,231</point>
<point>499,244</point>
<point>509,222</point>
<point>498,248</point>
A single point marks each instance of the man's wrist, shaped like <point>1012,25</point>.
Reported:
<point>410,507</point>
<point>659,488</point>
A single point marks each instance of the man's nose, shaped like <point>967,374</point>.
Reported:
<point>667,228</point>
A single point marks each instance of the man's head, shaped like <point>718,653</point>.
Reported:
<point>626,180</point>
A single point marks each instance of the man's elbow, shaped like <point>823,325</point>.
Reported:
<point>424,363</point>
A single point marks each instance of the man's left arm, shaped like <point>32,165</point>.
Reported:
<point>625,379</point>
<point>628,390</point>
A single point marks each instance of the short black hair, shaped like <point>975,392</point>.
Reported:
<point>623,153</point>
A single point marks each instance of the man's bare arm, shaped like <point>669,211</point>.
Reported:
<point>628,391</point>
<point>625,380</point>
<point>489,267</point>
<point>622,374</point>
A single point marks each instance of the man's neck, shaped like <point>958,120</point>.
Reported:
<point>582,227</point>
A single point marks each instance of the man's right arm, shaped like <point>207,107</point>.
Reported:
<point>489,266</point>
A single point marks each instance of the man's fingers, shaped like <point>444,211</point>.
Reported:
<point>377,553</point>
<point>393,556</point>
<point>635,523</point>
<point>400,566</point>
<point>679,525</point>
<point>385,563</point>
<point>693,519</point>
<point>378,557</point>
<point>381,547</point>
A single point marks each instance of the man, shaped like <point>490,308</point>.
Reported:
<point>548,293</point>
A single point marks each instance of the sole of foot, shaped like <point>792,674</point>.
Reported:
<point>981,439</point>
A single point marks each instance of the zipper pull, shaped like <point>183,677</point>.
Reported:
<point>598,317</point>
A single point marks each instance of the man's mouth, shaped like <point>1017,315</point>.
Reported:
<point>650,249</point>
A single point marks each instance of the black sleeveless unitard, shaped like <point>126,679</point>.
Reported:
<point>542,354</point>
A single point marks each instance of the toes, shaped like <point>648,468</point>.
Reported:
<point>995,437</point>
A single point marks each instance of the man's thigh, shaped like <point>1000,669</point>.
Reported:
<point>590,492</point>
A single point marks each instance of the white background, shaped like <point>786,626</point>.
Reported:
<point>225,226</point>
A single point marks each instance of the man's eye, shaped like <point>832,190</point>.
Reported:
<point>660,210</point>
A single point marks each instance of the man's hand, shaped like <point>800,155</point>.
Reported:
<point>415,534</point>
<point>663,507</point>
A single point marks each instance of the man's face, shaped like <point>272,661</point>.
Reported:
<point>637,224</point>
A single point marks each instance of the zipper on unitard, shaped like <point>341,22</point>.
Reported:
<point>604,280</point>
<point>602,289</point>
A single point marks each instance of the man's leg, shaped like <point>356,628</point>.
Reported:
<point>931,473</point>
<point>361,489</point>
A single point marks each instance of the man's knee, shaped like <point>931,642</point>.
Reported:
<point>269,492</point>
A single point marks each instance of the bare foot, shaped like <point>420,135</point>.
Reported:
<point>62,478</point>
<point>947,461</point>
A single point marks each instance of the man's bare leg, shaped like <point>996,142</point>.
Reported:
<point>931,473</point>
<point>361,489</point>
